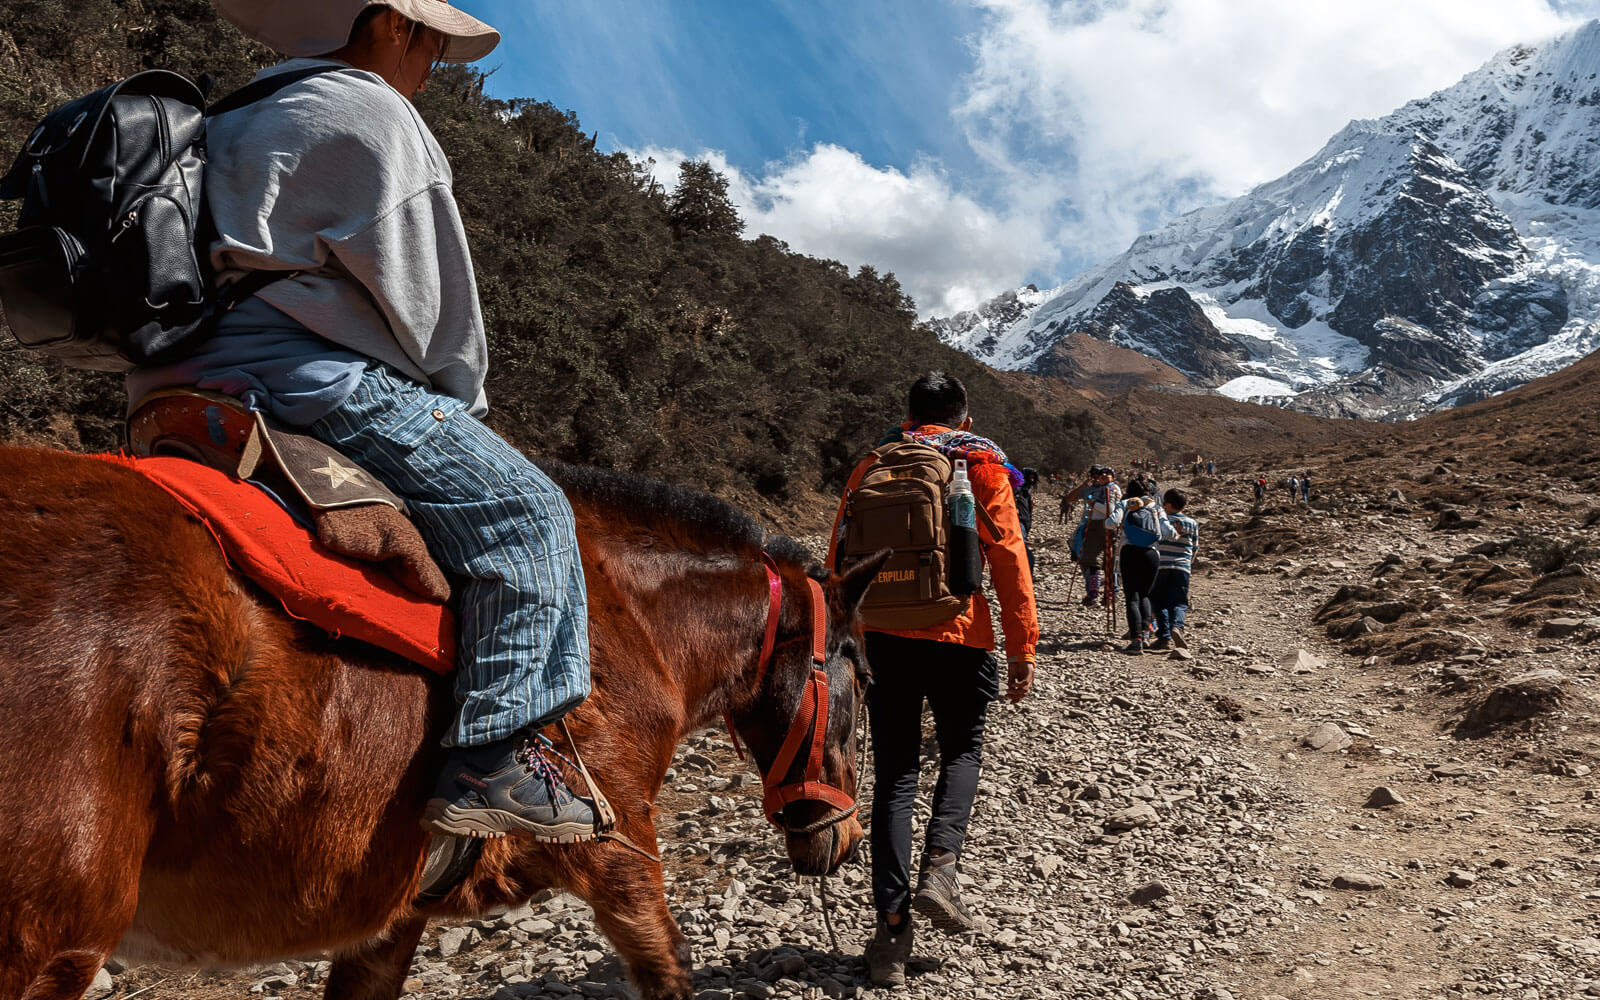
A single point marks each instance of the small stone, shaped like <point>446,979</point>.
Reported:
<point>412,985</point>
<point>1460,878</point>
<point>1150,893</point>
<point>1451,771</point>
<point>1327,738</point>
<point>101,985</point>
<point>1302,662</point>
<point>1383,796</point>
<point>1357,882</point>
<point>452,940</point>
<point>1132,818</point>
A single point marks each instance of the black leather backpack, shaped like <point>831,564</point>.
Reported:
<point>108,268</point>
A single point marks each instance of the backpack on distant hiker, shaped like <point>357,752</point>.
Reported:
<point>896,500</point>
<point>109,267</point>
<point>1141,528</point>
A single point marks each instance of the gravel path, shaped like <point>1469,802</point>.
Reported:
<point>1146,827</point>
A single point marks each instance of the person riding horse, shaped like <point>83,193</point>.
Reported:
<point>373,342</point>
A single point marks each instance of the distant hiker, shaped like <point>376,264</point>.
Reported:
<point>1100,495</point>
<point>1261,489</point>
<point>1294,489</point>
<point>1211,468</point>
<point>1305,488</point>
<point>923,650</point>
<point>1170,596</point>
<point>1024,498</point>
<point>1143,525</point>
<point>373,341</point>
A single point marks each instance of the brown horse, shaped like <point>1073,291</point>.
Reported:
<point>189,776</point>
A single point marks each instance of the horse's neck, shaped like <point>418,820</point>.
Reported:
<point>705,620</point>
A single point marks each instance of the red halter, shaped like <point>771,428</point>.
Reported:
<point>810,726</point>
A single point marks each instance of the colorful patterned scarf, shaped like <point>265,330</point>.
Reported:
<point>974,449</point>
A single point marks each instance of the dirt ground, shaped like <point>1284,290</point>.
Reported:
<point>1484,880</point>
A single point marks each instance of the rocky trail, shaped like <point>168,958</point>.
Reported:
<point>1351,788</point>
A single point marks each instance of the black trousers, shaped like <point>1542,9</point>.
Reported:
<point>1139,568</point>
<point>958,683</point>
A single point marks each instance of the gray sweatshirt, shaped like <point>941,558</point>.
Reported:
<point>338,176</point>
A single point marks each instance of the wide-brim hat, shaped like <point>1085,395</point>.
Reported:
<point>317,27</point>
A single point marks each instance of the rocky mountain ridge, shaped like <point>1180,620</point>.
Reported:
<point>1441,254</point>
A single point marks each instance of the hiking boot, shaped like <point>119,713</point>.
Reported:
<point>1090,600</point>
<point>939,894</point>
<point>508,786</point>
<point>1134,648</point>
<point>887,953</point>
<point>1178,639</point>
<point>1160,645</point>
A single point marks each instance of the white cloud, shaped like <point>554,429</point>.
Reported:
<point>949,252</point>
<point>1096,120</point>
<point>1115,115</point>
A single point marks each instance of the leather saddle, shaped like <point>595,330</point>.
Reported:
<point>348,509</point>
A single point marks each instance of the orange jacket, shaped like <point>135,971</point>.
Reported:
<point>1008,569</point>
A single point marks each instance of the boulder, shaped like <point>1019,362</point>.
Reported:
<point>1357,882</point>
<point>1560,628</point>
<point>1384,796</point>
<point>1327,738</point>
<point>1302,662</point>
<point>1450,519</point>
<point>1522,697</point>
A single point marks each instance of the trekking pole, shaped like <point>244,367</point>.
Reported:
<point>1111,584</point>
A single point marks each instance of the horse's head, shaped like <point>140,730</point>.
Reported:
<point>802,723</point>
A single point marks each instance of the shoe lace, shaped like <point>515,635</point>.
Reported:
<point>535,757</point>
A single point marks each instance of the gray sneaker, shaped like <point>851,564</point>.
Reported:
<point>1178,639</point>
<point>939,895</point>
<point>888,952</point>
<point>509,786</point>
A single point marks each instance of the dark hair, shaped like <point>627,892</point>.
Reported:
<point>1030,476</point>
<point>1177,498</point>
<point>368,14</point>
<point>937,398</point>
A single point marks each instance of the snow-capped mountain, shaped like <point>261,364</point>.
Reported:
<point>1446,252</point>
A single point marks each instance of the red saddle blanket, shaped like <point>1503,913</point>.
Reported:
<point>340,595</point>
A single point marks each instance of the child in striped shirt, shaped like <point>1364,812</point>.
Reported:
<point>1170,595</point>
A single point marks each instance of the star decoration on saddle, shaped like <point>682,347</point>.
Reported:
<point>338,474</point>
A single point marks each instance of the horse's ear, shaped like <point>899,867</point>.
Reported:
<point>853,583</point>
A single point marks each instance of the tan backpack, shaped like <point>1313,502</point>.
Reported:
<point>896,500</point>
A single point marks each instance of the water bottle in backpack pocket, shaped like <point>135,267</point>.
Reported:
<point>966,554</point>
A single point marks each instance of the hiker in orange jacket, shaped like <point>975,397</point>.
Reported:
<point>952,666</point>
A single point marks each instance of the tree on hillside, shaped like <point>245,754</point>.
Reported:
<point>1074,444</point>
<point>628,327</point>
<point>700,205</point>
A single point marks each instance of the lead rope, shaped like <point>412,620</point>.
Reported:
<point>825,901</point>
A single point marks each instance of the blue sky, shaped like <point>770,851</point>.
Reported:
<point>972,145</point>
<point>756,80</point>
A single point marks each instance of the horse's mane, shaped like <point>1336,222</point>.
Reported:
<point>674,512</point>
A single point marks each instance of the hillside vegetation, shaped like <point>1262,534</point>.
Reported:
<point>629,327</point>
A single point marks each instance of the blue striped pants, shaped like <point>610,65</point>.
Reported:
<point>490,515</point>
